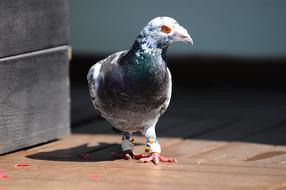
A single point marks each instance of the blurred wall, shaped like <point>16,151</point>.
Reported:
<point>255,28</point>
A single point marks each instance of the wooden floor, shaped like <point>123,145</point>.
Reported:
<point>221,139</point>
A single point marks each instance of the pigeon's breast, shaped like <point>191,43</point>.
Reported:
<point>137,89</point>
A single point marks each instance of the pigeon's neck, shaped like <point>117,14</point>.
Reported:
<point>145,43</point>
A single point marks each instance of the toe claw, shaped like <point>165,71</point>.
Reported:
<point>128,157</point>
<point>156,160</point>
<point>164,159</point>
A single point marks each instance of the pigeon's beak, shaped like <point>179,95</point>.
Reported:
<point>182,35</point>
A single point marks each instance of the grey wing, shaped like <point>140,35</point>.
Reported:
<point>96,74</point>
<point>169,93</point>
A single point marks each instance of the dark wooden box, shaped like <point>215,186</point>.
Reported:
<point>34,72</point>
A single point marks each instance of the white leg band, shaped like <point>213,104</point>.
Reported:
<point>155,147</point>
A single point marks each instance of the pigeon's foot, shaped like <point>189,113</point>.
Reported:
<point>127,155</point>
<point>155,149</point>
<point>156,158</point>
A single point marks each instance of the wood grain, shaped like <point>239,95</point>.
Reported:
<point>34,98</point>
<point>32,25</point>
<point>130,174</point>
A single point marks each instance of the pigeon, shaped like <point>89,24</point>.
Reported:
<point>131,89</point>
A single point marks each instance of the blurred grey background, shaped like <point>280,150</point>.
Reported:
<point>249,28</point>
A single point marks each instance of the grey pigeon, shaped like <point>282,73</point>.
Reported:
<point>131,89</point>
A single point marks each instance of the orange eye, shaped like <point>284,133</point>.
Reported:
<point>165,29</point>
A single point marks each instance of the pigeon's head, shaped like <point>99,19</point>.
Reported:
<point>165,31</point>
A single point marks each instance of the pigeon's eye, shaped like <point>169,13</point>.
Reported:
<point>165,29</point>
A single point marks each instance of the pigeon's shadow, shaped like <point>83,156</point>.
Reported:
<point>80,153</point>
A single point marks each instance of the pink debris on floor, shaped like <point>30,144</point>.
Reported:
<point>94,177</point>
<point>21,165</point>
<point>2,175</point>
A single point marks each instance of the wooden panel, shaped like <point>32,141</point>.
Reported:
<point>216,146</point>
<point>31,25</point>
<point>58,165</point>
<point>34,98</point>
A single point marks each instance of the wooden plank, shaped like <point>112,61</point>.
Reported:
<point>32,25</point>
<point>245,151</point>
<point>273,155</point>
<point>266,152</point>
<point>216,139</point>
<point>34,98</point>
<point>57,164</point>
<point>233,151</point>
<point>116,174</point>
<point>265,130</point>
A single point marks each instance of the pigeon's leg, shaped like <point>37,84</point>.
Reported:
<point>127,145</point>
<point>154,148</point>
